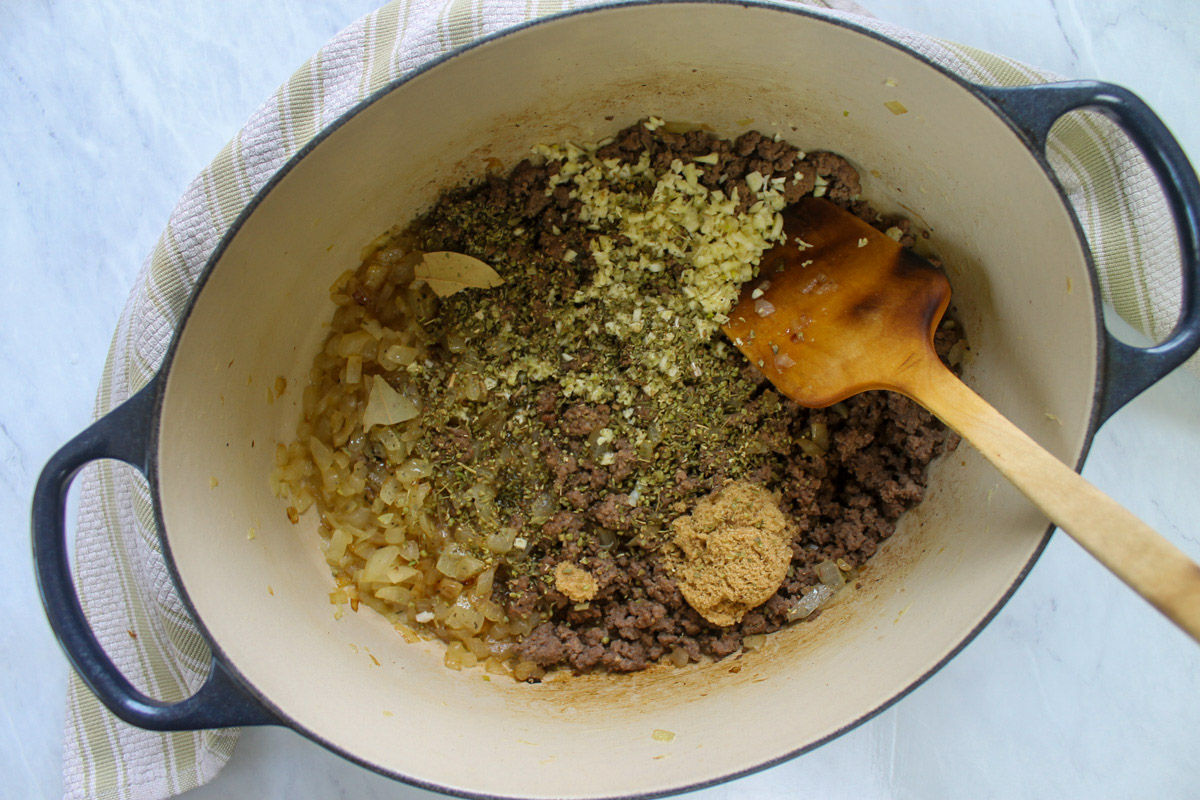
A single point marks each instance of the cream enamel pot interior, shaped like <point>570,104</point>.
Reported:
<point>964,162</point>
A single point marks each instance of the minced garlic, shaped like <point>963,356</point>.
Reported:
<point>678,225</point>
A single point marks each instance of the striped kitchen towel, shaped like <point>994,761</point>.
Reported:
<point>119,566</point>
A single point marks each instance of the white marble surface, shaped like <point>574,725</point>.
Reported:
<point>1077,689</point>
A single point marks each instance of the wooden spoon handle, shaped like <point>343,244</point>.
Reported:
<point>1131,549</point>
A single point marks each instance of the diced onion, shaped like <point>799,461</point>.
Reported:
<point>410,550</point>
<point>337,546</point>
<point>542,508</point>
<point>829,574</point>
<point>394,594</point>
<point>812,599</point>
<point>458,565</point>
<point>402,573</point>
<point>820,435</point>
<point>463,617</point>
<point>377,566</point>
<point>483,584</point>
<point>413,470</point>
<point>754,642</point>
<point>957,351</point>
<point>501,541</point>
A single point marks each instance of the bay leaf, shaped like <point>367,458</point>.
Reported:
<point>448,273</point>
<point>386,406</point>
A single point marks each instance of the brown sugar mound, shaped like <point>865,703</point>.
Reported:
<point>732,552</point>
<point>576,583</point>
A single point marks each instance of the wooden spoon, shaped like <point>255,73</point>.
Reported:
<point>840,308</point>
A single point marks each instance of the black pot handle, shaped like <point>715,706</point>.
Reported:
<point>124,433</point>
<point>1128,370</point>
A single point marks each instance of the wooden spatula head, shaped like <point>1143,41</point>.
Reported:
<point>838,308</point>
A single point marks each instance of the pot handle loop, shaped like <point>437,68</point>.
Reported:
<point>1128,370</point>
<point>125,434</point>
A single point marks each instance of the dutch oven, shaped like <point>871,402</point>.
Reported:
<point>966,162</point>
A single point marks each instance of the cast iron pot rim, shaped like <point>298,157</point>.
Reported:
<point>152,461</point>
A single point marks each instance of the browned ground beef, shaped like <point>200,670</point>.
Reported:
<point>844,502</point>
